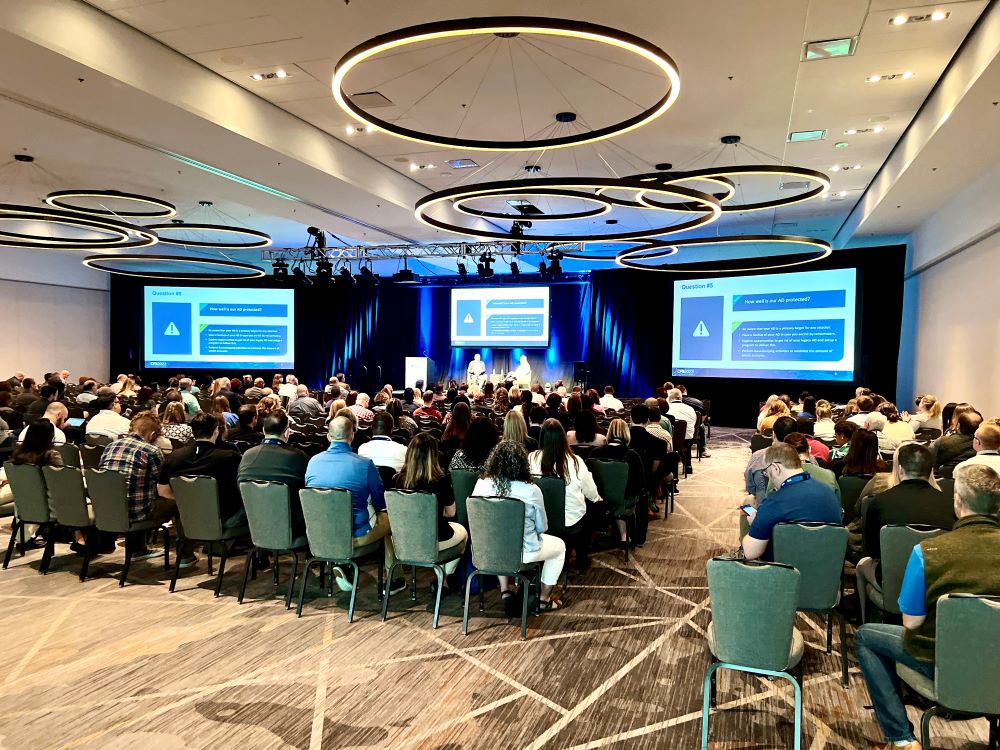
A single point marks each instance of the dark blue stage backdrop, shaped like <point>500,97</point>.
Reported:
<point>616,321</point>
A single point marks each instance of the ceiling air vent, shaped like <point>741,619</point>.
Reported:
<point>795,185</point>
<point>370,100</point>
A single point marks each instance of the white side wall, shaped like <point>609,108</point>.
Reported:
<point>56,315</point>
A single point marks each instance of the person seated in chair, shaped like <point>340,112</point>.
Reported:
<point>108,421</point>
<point>951,450</point>
<point>753,476</point>
<point>428,410</point>
<point>798,499</point>
<point>246,429</point>
<point>986,442</point>
<point>57,414</point>
<point>965,560</point>
<point>382,449</point>
<point>304,405</point>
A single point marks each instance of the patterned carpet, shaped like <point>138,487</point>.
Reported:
<point>94,666</point>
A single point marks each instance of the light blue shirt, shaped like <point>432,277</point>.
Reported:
<point>339,467</point>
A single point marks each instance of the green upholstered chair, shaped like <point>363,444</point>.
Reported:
<point>197,500</point>
<point>68,503</point>
<point>330,530</point>
<point>966,680</point>
<point>101,441</point>
<point>554,493</point>
<point>897,542</point>
<point>496,530</point>
<point>462,483</point>
<point>108,491</point>
<point>767,595</point>
<point>31,506</point>
<point>386,474</point>
<point>269,514</point>
<point>850,493</point>
<point>70,454</point>
<point>413,520</point>
<point>759,442</point>
<point>817,551</point>
<point>611,478</point>
<point>90,456</point>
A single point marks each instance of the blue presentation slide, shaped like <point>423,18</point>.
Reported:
<point>793,326</point>
<point>501,317</point>
<point>211,327</point>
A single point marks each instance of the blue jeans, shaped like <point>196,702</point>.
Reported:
<point>879,648</point>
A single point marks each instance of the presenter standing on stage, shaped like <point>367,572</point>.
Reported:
<point>522,375</point>
<point>476,374</point>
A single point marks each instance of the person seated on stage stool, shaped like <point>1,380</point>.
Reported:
<point>476,373</point>
<point>522,374</point>
<point>428,410</point>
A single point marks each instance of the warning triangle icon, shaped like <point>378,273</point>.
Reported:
<point>468,318</point>
<point>701,330</point>
<point>172,330</point>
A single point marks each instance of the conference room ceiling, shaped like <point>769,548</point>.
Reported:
<point>740,69</point>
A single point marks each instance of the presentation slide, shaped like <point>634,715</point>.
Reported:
<point>207,327</point>
<point>502,317</point>
<point>793,326</point>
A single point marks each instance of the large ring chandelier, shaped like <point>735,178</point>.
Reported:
<point>508,26</point>
<point>155,208</point>
<point>664,249</point>
<point>120,235</point>
<point>604,205</point>
<point>261,239</point>
<point>818,249</point>
<point>706,207</point>
<point>713,173</point>
<point>242,270</point>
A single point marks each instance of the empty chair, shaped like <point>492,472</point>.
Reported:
<point>767,595</point>
<point>462,483</point>
<point>496,530</point>
<point>817,551</point>
<point>760,442</point>
<point>554,493</point>
<point>850,493</point>
<point>611,478</point>
<point>269,513</point>
<point>330,530</point>
<point>966,680</point>
<point>897,542</point>
<point>197,499</point>
<point>413,520</point>
<point>90,456</point>
<point>109,496</point>
<point>31,506</point>
<point>68,502</point>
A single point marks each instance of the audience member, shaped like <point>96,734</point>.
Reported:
<point>536,415</point>
<point>47,395</point>
<point>862,459</point>
<point>86,394</point>
<point>257,390</point>
<point>191,405</point>
<point>108,421</point>
<point>174,425</point>
<point>801,445</point>
<point>455,431</point>
<point>965,560</point>
<point>480,439</point>
<point>775,411</point>
<point>56,413</point>
<point>304,405</point>
<point>585,432</point>
<point>360,408</point>
<point>402,420</point>
<point>246,429</point>
<point>221,411</point>
<point>694,403</point>
<point>823,429</point>
<point>927,416</point>
<point>288,389</point>
<point>515,430</point>
<point>953,449</point>
<point>382,449</point>
<point>842,433</point>
<point>754,477</point>
<point>986,442</point>
<point>865,405</point>
<point>655,429</point>
<point>274,460</point>
<point>428,410</point>
<point>554,410</point>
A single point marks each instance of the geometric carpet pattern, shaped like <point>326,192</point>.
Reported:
<point>89,665</point>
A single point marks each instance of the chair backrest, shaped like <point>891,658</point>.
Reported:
<point>850,493</point>
<point>30,498</point>
<point>947,487</point>
<point>198,505</point>
<point>760,442</point>
<point>100,440</point>
<point>897,542</point>
<point>765,594</point>
<point>70,454</point>
<point>496,529</point>
<point>554,492</point>
<point>413,520</point>
<point>967,678</point>
<point>109,495</point>
<point>611,478</point>
<point>680,430</point>
<point>386,474</point>
<point>462,483</point>
<point>583,452</point>
<point>67,495</point>
<point>90,456</point>
<point>269,513</point>
<point>817,551</point>
<point>329,522</point>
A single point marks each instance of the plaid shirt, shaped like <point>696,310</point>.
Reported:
<point>140,462</point>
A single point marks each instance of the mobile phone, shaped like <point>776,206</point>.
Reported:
<point>75,421</point>
<point>748,510</point>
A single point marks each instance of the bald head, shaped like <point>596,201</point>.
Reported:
<point>341,430</point>
<point>56,413</point>
<point>301,390</point>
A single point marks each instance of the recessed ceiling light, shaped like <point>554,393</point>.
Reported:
<point>806,135</point>
<point>940,15</point>
<point>856,166</point>
<point>842,193</point>
<point>829,48</point>
<point>851,131</point>
<point>878,129</point>
<point>462,163</point>
<point>835,168</point>
<point>414,166</point>
<point>270,75</point>
<point>904,76</point>
<point>908,75</point>
<point>903,20</point>
<point>361,129</point>
<point>841,144</point>
<point>899,20</point>
<point>873,79</point>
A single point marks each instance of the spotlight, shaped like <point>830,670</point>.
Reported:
<point>279,270</point>
<point>485,265</point>
<point>515,271</point>
<point>344,276</point>
<point>300,276</point>
<point>462,270</point>
<point>404,276</point>
<point>542,268</point>
<point>324,271</point>
<point>554,267</point>
<point>517,228</point>
<point>366,276</point>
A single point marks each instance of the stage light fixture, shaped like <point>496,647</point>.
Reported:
<point>279,270</point>
<point>462,270</point>
<point>502,27</point>
<point>515,270</point>
<point>324,271</point>
<point>554,266</point>
<point>299,276</point>
<point>344,276</point>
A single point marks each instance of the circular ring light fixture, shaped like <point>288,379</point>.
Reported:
<point>604,206</point>
<point>123,235</point>
<point>104,263</point>
<point>708,207</point>
<point>799,173</point>
<point>727,186</point>
<point>818,250</point>
<point>156,208</point>
<point>263,239</point>
<point>508,27</point>
<point>667,247</point>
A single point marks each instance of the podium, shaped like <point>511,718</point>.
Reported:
<point>418,368</point>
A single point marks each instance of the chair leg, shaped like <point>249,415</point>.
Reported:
<point>798,712</point>
<point>385,598</point>
<point>524,609</point>
<point>129,549</point>
<point>50,545</point>
<point>706,701</point>
<point>211,562</point>
<point>87,553</point>
<point>381,580</point>
<point>843,651</point>
<point>354,589</point>
<point>714,692</point>
<point>13,541</point>
<point>23,542</point>
<point>166,548</point>
<point>291,581</point>
<point>246,574</point>
<point>439,573</point>
<point>276,556</point>
<point>413,589</point>
<point>994,732</point>
<point>468,593</point>
<point>177,563</point>
<point>829,632</point>
<point>222,569</point>
<point>302,586</point>
<point>925,726</point>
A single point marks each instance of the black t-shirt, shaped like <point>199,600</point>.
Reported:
<point>204,458</point>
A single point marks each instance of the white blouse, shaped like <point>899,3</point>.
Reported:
<point>580,486</point>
